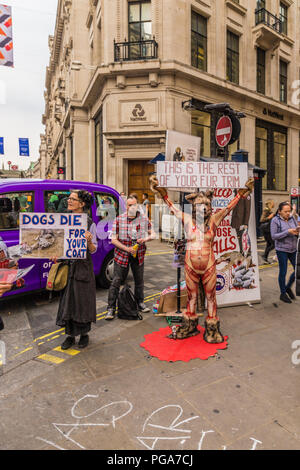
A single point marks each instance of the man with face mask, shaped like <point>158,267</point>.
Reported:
<point>129,229</point>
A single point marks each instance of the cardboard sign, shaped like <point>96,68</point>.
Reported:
<point>235,250</point>
<point>53,235</point>
<point>182,147</point>
<point>193,175</point>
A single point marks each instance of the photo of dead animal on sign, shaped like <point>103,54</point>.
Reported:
<point>53,235</point>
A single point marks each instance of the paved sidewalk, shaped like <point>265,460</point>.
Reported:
<point>113,395</point>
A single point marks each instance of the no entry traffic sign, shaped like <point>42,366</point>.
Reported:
<point>223,131</point>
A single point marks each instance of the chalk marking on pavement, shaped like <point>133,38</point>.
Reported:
<point>50,443</point>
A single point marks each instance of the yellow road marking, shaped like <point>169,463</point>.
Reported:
<point>99,316</point>
<point>25,350</point>
<point>49,358</point>
<point>71,352</point>
<point>49,334</point>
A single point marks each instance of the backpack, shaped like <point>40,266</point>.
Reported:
<point>127,305</point>
<point>57,277</point>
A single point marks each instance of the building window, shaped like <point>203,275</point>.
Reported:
<point>98,150</point>
<point>72,157</point>
<point>283,77</point>
<point>199,41</point>
<point>261,71</point>
<point>139,29</point>
<point>232,57</point>
<point>271,154</point>
<point>260,4</point>
<point>283,15</point>
<point>139,24</point>
<point>299,164</point>
<point>201,127</point>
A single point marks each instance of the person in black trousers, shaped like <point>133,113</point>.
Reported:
<point>265,228</point>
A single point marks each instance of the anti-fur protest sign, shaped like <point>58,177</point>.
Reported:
<point>193,175</point>
<point>53,235</point>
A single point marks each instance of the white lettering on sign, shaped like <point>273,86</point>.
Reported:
<point>202,174</point>
<point>225,130</point>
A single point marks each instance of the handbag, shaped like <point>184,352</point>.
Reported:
<point>58,276</point>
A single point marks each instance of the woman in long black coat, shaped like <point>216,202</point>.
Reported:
<point>77,306</point>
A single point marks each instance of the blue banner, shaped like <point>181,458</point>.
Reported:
<point>24,147</point>
<point>1,145</point>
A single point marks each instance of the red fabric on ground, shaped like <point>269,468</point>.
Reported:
<point>166,349</point>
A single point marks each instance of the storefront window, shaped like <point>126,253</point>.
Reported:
<point>201,127</point>
<point>279,178</point>
<point>261,152</point>
<point>271,154</point>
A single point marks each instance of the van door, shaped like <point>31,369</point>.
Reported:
<point>106,210</point>
<point>11,204</point>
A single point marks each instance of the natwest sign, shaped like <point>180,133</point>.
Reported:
<point>223,131</point>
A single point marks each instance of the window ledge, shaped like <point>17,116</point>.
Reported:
<point>236,7</point>
<point>287,40</point>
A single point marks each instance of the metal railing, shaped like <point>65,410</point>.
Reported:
<point>135,50</point>
<point>267,18</point>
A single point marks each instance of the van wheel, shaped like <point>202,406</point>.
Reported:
<point>104,279</point>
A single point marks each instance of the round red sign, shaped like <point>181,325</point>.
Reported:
<point>223,131</point>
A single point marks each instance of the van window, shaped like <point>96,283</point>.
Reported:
<point>56,201</point>
<point>11,204</point>
<point>107,206</point>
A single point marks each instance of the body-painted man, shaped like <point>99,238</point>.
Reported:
<point>200,263</point>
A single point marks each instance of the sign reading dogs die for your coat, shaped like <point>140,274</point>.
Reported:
<point>53,235</point>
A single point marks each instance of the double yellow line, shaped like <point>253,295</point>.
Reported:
<point>49,336</point>
<point>100,316</point>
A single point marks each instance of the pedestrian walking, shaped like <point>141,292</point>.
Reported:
<point>146,204</point>
<point>284,231</point>
<point>265,227</point>
<point>130,233</point>
<point>77,306</point>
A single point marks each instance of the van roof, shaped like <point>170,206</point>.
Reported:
<point>69,183</point>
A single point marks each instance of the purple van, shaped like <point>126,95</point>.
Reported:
<point>22,195</point>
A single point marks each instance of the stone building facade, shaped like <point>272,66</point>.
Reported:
<point>122,72</point>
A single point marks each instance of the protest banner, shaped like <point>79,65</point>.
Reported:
<point>53,235</point>
<point>235,250</point>
<point>193,175</point>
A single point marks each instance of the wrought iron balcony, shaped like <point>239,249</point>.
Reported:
<point>136,50</point>
<point>263,16</point>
